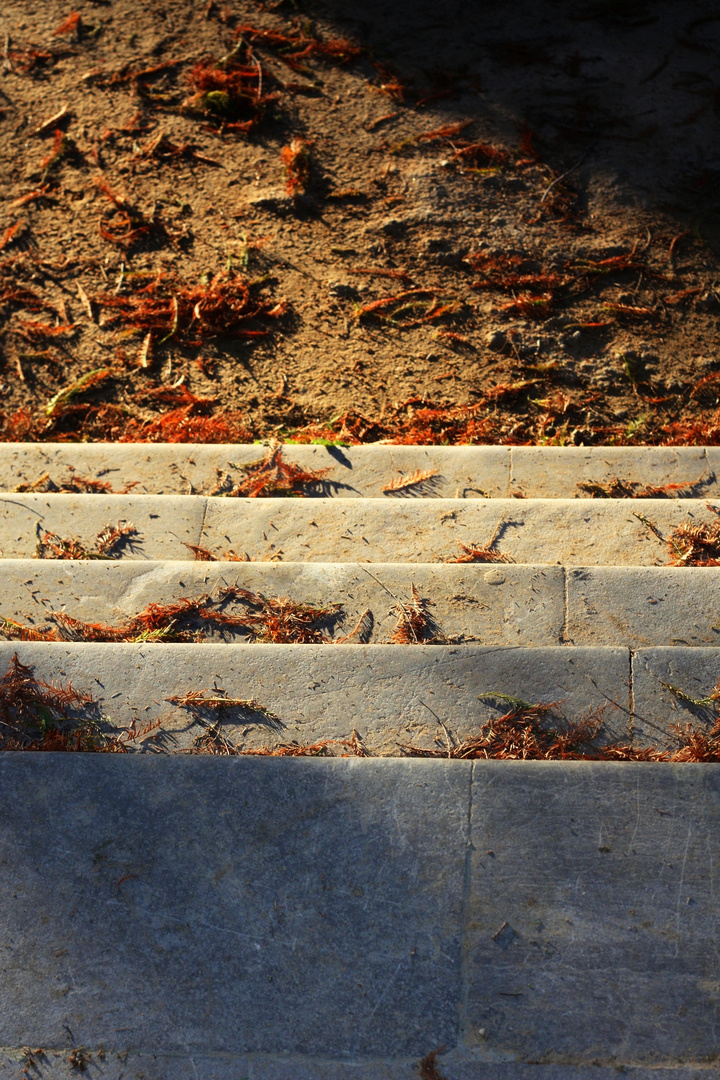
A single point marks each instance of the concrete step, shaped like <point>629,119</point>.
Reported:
<point>389,694</point>
<point>494,605</point>
<point>503,605</point>
<point>567,531</point>
<point>285,919</point>
<point>371,471</point>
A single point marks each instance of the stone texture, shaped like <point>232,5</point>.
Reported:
<point>463,471</point>
<point>356,471</point>
<point>592,920</point>
<point>164,523</point>
<point>555,471</point>
<point>125,1064</point>
<point>643,606</point>
<point>389,693</point>
<point>231,905</point>
<point>513,1071</point>
<point>119,1065</point>
<point>587,532</point>
<point>570,531</point>
<point>694,671</point>
<point>275,919</point>
<point>504,605</point>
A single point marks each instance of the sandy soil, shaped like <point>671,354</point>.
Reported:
<point>536,184</point>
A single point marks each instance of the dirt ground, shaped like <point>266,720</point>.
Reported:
<point>418,222</point>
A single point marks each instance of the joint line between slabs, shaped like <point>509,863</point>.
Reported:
<point>465,917</point>
<point>510,474</point>
<point>564,640</point>
<point>631,685</point>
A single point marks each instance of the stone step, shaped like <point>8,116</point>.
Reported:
<point>389,694</point>
<point>492,605</point>
<point>500,605</point>
<point>370,471</point>
<point>571,532</point>
<point>280,919</point>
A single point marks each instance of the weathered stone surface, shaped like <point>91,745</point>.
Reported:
<point>164,523</point>
<point>124,1064</point>
<point>693,671</point>
<point>116,1065</point>
<point>504,605</point>
<point>282,919</point>
<point>571,531</point>
<point>513,1071</point>
<point>463,471</point>
<point>587,532</point>
<point>389,693</point>
<point>592,919</point>
<point>355,471</point>
<point>556,471</point>
<point>643,606</point>
<point>231,905</point>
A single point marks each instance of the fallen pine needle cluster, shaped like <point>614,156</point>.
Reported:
<point>262,619</point>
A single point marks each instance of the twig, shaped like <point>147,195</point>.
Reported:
<point>398,601</point>
<point>557,179</point>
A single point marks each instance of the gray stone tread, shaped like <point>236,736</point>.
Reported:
<point>328,920</point>
<point>694,671</point>
<point>567,531</point>
<point>503,604</point>
<point>389,694</point>
<point>357,471</point>
<point>643,606</point>
<point>506,604</point>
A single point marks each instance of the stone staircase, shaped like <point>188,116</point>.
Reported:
<point>284,918</point>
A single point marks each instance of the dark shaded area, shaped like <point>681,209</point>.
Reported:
<point>624,92</point>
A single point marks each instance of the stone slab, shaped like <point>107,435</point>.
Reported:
<point>164,522</point>
<point>592,922</point>
<point>503,605</point>
<point>694,671</point>
<point>266,906</point>
<point>555,471</point>
<point>275,919</point>
<point>356,471</point>
<point>643,606</point>
<point>118,1065</point>
<point>570,531</point>
<point>362,471</point>
<point>587,532</point>
<point>390,694</point>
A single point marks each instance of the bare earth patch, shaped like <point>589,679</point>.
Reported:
<point>234,221</point>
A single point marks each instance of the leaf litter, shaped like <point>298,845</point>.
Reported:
<point>265,620</point>
<point>108,544</point>
<point>269,477</point>
<point>616,488</point>
<point>690,543</point>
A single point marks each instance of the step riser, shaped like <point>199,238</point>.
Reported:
<point>571,532</point>
<point>189,907</point>
<point>363,471</point>
<point>491,605</point>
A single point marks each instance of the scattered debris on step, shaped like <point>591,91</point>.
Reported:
<point>615,488</point>
<point>107,545</point>
<point>270,477</point>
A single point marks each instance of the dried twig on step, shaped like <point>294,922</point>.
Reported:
<point>484,554</point>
